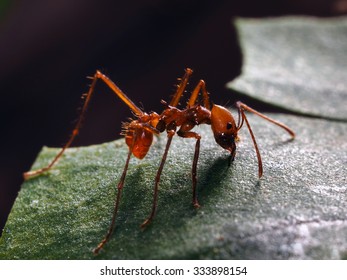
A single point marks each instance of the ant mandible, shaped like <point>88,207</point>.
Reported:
<point>139,133</point>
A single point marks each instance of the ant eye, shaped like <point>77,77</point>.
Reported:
<point>229,125</point>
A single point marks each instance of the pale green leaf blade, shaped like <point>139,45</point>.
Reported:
<point>297,211</point>
<point>296,63</point>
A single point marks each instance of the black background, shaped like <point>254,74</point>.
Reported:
<point>47,48</point>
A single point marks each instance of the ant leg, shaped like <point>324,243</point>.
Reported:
<point>115,89</point>
<point>75,131</point>
<point>170,135</point>
<point>118,92</point>
<point>116,206</point>
<point>190,134</point>
<point>201,86</point>
<point>181,87</point>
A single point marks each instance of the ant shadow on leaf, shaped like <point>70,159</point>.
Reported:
<point>217,177</point>
<point>213,177</point>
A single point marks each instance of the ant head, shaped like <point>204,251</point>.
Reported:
<point>224,128</point>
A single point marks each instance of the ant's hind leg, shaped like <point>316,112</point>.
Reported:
<point>75,132</point>
<point>116,90</point>
<point>116,206</point>
<point>170,135</point>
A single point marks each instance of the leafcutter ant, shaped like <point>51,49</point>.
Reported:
<point>139,133</point>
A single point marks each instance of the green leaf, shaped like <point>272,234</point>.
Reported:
<point>298,210</point>
<point>295,63</point>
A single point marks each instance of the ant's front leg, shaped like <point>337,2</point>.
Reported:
<point>191,134</point>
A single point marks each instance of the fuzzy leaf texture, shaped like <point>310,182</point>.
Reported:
<point>298,64</point>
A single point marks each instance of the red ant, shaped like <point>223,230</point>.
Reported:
<point>139,133</point>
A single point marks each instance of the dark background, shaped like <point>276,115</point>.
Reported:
<point>47,48</point>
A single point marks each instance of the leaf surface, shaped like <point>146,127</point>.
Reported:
<point>298,210</point>
<point>295,63</point>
